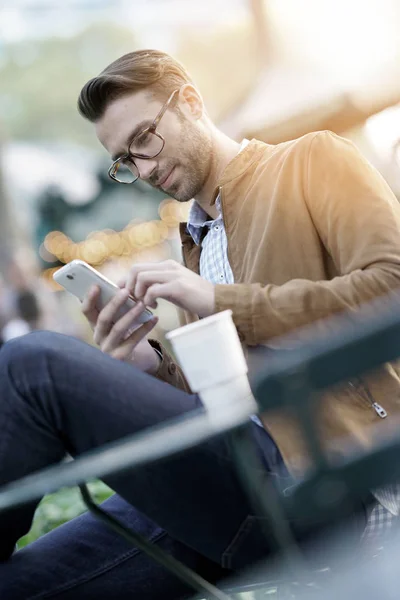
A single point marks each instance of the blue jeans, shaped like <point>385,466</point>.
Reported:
<point>59,395</point>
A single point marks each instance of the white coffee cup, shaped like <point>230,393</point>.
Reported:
<point>211,356</point>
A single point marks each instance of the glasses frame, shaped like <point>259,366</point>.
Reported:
<point>132,155</point>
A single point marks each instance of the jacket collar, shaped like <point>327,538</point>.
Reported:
<point>239,164</point>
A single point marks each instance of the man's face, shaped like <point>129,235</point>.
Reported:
<point>183,166</point>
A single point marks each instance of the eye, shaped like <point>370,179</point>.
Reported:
<point>143,139</point>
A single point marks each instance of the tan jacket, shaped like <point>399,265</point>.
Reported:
<point>312,230</point>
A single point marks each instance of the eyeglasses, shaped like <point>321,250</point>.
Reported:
<point>146,144</point>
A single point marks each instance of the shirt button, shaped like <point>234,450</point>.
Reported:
<point>172,368</point>
<point>216,228</point>
<point>221,276</point>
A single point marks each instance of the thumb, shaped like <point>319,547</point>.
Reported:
<point>121,282</point>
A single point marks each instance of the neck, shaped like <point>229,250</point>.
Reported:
<point>224,149</point>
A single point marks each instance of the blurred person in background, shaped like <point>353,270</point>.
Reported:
<point>27,317</point>
<point>284,236</point>
<point>26,304</point>
<point>20,308</point>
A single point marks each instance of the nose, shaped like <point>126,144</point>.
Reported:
<point>145,167</point>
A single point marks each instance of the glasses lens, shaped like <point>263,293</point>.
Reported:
<point>146,144</point>
<point>125,172</point>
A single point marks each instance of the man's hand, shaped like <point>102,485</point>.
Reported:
<point>123,339</point>
<point>173,282</point>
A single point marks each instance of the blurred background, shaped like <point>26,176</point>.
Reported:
<point>270,69</point>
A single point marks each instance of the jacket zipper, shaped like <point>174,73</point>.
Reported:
<point>366,394</point>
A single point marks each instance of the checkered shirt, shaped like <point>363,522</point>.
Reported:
<point>214,262</point>
<point>381,525</point>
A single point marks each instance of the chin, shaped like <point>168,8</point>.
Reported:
<point>180,195</point>
<point>183,194</point>
<point>183,198</point>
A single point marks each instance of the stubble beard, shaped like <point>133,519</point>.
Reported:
<point>196,149</point>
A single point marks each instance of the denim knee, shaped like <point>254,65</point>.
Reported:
<point>35,359</point>
<point>32,367</point>
<point>36,344</point>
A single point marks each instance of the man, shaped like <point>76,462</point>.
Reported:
<point>284,236</point>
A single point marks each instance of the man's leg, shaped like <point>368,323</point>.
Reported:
<point>86,559</point>
<point>58,394</point>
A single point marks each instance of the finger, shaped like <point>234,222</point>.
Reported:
<point>171,291</point>
<point>141,332</point>
<point>147,278</point>
<point>122,326</point>
<point>125,351</point>
<point>107,316</point>
<point>166,265</point>
<point>89,307</point>
<point>125,348</point>
<point>121,283</point>
<point>130,282</point>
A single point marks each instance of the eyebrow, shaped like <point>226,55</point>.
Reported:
<point>138,128</point>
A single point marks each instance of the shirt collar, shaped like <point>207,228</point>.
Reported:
<point>198,218</point>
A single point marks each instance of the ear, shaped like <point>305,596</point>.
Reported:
<point>191,102</point>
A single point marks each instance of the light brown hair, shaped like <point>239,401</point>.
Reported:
<point>133,72</point>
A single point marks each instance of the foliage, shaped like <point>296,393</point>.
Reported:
<point>40,81</point>
<point>56,509</point>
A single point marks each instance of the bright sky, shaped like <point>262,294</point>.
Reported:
<point>350,36</point>
<point>23,19</point>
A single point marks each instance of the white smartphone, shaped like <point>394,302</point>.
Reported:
<point>77,277</point>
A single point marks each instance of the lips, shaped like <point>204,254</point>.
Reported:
<point>165,179</point>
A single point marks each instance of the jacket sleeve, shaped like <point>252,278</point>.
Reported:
<point>169,371</point>
<point>357,218</point>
